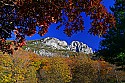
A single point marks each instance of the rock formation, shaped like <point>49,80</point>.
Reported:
<point>50,46</point>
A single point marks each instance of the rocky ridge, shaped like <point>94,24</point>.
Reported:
<point>50,46</point>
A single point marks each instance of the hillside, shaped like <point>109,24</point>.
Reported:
<point>52,46</point>
<point>27,67</point>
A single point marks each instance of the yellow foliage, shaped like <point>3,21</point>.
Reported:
<point>25,67</point>
<point>55,70</point>
<point>18,68</point>
<point>83,70</point>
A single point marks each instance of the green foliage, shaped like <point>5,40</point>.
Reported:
<point>113,43</point>
<point>121,58</point>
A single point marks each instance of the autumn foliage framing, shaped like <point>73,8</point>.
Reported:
<point>22,17</point>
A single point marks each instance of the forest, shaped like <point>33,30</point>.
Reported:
<point>27,67</point>
<point>23,18</point>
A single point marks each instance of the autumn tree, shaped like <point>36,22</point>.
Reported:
<point>112,47</point>
<point>83,70</point>
<point>19,68</point>
<point>27,17</point>
<point>106,73</point>
<point>54,70</point>
<point>5,69</point>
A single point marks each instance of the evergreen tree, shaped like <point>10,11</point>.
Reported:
<point>112,47</point>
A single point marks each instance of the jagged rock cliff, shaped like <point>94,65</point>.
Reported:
<point>50,46</point>
<point>77,46</point>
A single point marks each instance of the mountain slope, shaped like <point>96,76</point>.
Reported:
<point>50,46</point>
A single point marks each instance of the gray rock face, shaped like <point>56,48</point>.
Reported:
<point>55,43</point>
<point>43,52</point>
<point>50,46</point>
<point>77,46</point>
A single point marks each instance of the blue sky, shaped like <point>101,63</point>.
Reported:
<point>85,37</point>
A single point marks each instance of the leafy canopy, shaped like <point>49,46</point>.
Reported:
<point>113,46</point>
<point>23,17</point>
